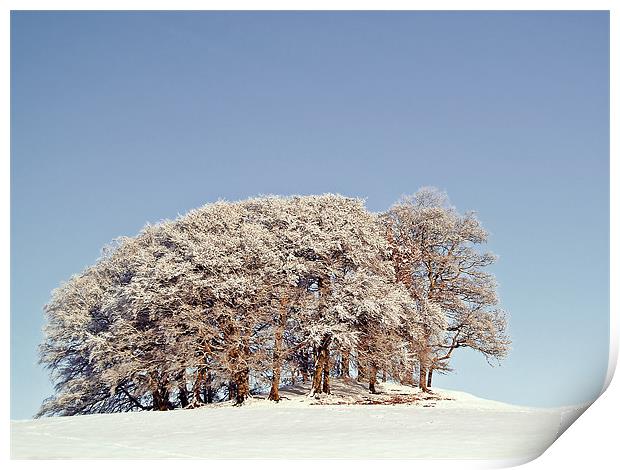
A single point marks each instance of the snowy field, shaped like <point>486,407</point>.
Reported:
<point>447,424</point>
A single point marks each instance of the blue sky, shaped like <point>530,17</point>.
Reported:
<point>118,119</point>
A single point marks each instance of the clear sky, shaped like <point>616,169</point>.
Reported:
<point>118,119</point>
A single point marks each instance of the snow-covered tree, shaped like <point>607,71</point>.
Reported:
<point>234,297</point>
<point>434,251</point>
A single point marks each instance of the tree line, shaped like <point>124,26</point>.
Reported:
<point>234,298</point>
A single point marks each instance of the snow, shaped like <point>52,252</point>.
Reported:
<point>444,424</point>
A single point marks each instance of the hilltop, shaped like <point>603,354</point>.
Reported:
<point>399,422</point>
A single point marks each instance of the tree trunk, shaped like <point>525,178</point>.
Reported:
<point>424,358</point>
<point>322,363</point>
<point>318,374</point>
<point>322,353</point>
<point>344,364</point>
<point>429,382</point>
<point>242,376</point>
<point>383,376</point>
<point>274,394</point>
<point>422,380</point>
<point>326,367</point>
<point>183,396</point>
<point>243,385</point>
<point>198,386</point>
<point>304,365</point>
<point>157,401</point>
<point>232,390</point>
<point>160,400</point>
<point>408,377</point>
<point>361,370</point>
<point>209,388</point>
<point>238,357</point>
<point>372,378</point>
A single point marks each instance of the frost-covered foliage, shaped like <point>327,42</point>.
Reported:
<point>435,257</point>
<point>232,298</point>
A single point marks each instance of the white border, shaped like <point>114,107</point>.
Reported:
<point>589,443</point>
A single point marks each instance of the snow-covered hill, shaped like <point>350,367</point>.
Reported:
<point>398,423</point>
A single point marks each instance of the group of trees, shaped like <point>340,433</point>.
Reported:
<point>233,298</point>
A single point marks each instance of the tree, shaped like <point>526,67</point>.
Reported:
<point>435,257</point>
<point>234,296</point>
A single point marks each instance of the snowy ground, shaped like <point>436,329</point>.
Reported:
<point>447,424</point>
